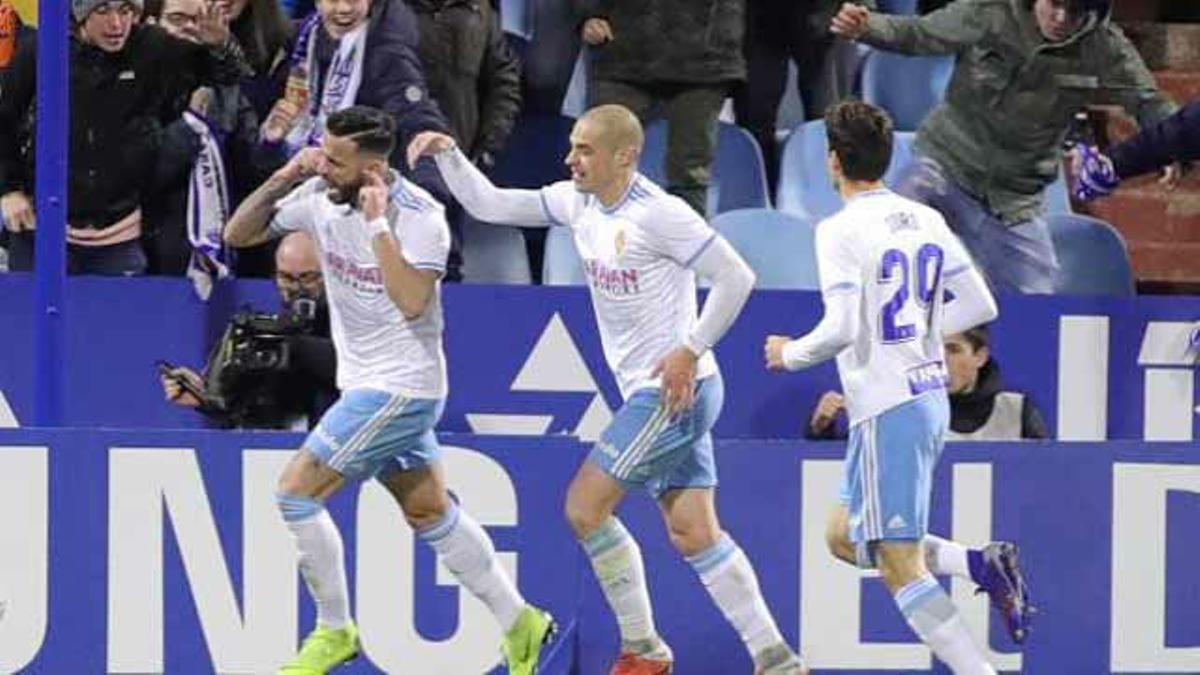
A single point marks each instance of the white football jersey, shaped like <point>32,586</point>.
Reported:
<point>377,348</point>
<point>894,253</point>
<point>637,257</point>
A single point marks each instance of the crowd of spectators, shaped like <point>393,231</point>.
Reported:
<point>181,107</point>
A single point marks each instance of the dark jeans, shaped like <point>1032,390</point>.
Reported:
<point>779,32</point>
<point>691,112</point>
<point>1013,256</point>
<point>124,259</point>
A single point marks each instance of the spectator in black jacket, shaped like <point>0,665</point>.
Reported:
<point>308,387</point>
<point>472,73</point>
<point>980,408</point>
<point>1176,139</point>
<point>475,78</point>
<point>218,121</point>
<point>266,37</point>
<point>776,32</point>
<point>681,56</point>
<point>119,80</point>
<point>12,32</point>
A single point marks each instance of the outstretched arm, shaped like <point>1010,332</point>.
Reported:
<point>834,333</point>
<point>945,31</point>
<point>973,303</point>
<point>483,200</point>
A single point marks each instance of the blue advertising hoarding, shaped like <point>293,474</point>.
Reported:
<point>527,360</point>
<point>157,551</point>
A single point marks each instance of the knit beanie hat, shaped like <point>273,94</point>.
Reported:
<point>80,9</point>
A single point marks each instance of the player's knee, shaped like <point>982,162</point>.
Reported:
<point>692,539</point>
<point>837,540</point>
<point>900,564</point>
<point>426,512</point>
<point>583,518</point>
<point>299,477</point>
<point>839,545</point>
<point>297,507</point>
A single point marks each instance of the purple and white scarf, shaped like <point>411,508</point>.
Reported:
<point>207,209</point>
<point>341,81</point>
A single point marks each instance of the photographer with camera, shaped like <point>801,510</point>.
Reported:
<point>269,370</point>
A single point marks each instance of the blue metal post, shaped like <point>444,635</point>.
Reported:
<point>49,292</point>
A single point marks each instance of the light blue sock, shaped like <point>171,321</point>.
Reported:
<point>933,617</point>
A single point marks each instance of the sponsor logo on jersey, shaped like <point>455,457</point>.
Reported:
<point>927,377</point>
<point>358,277</point>
<point>611,281</point>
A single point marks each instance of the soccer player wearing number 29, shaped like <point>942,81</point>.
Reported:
<point>887,265</point>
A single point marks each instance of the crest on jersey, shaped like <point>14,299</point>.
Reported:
<point>619,244</point>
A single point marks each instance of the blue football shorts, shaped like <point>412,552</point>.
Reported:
<point>368,432</point>
<point>888,473</point>
<point>645,447</point>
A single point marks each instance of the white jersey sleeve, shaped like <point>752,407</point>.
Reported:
<point>296,210</point>
<point>678,232</point>
<point>424,238</point>
<point>838,268</point>
<point>561,202</point>
<point>957,260</point>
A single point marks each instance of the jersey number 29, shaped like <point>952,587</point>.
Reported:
<point>928,279</point>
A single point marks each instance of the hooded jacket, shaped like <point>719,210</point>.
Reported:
<point>970,411</point>
<point>999,134</point>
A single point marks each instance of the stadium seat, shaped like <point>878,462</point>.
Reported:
<point>902,155</point>
<point>562,266</point>
<point>908,87</point>
<point>575,100</point>
<point>1092,257</point>
<point>739,176</point>
<point>898,6</point>
<point>779,247</point>
<point>1058,199</point>
<point>516,18</point>
<point>493,254</point>
<point>534,154</point>
<point>805,189</point>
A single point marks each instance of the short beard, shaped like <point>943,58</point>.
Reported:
<point>344,195</point>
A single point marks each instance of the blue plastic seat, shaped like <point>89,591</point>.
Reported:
<point>1092,257</point>
<point>739,176</point>
<point>575,99</point>
<point>1058,198</point>
<point>898,6</point>
<point>779,247</point>
<point>561,265</point>
<point>902,155</point>
<point>516,18</point>
<point>494,254</point>
<point>805,189</point>
<point>908,87</point>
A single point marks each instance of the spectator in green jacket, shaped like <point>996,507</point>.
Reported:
<point>668,58</point>
<point>986,155</point>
